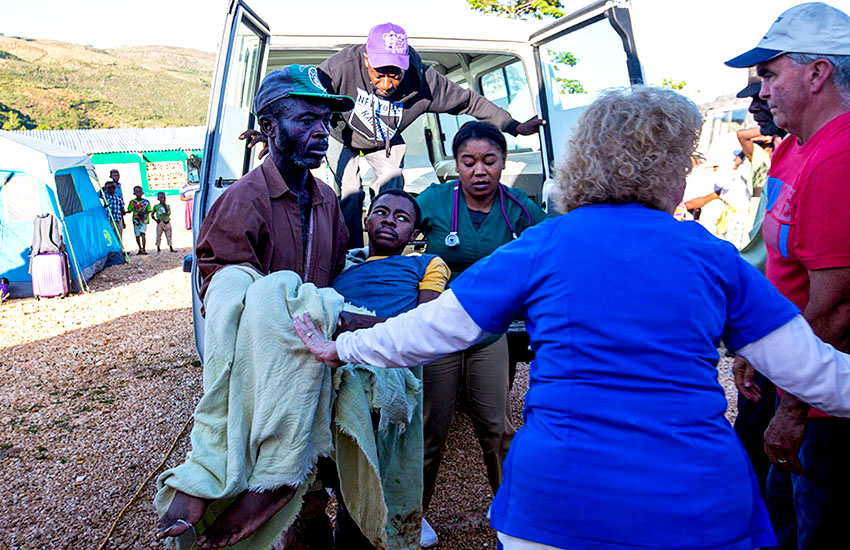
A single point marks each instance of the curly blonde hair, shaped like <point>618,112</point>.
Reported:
<point>630,145</point>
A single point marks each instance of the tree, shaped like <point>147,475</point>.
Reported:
<point>519,9</point>
<point>670,84</point>
<point>568,85</point>
<point>522,9</point>
<point>13,121</point>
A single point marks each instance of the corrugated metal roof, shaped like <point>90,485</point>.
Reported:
<point>124,140</point>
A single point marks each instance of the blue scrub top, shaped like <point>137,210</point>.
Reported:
<point>625,444</point>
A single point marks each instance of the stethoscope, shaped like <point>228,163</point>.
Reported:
<point>453,239</point>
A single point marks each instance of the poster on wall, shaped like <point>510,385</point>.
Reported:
<point>166,175</point>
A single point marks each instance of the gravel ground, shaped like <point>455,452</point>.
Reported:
<point>94,389</point>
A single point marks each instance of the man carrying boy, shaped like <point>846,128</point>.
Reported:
<point>277,217</point>
<point>140,207</point>
<point>162,216</point>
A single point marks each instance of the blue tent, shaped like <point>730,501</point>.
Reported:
<point>36,178</point>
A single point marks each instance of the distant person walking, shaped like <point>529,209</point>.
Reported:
<point>140,207</point>
<point>162,216</point>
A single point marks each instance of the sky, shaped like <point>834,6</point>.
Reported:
<point>683,40</point>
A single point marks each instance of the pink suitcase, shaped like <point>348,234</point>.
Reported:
<point>49,272</point>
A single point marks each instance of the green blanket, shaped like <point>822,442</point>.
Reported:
<point>270,410</point>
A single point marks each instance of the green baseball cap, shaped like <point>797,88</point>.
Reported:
<point>298,81</point>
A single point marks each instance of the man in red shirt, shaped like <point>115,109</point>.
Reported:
<point>804,62</point>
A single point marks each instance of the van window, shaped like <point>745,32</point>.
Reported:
<point>576,67</point>
<point>450,124</point>
<point>241,82</point>
<point>507,87</point>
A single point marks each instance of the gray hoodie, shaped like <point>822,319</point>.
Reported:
<point>376,123</point>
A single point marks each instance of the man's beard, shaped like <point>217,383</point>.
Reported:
<point>289,150</point>
<point>771,129</point>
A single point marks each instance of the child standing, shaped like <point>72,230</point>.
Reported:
<point>162,215</point>
<point>140,207</point>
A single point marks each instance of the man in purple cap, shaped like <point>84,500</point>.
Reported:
<point>391,87</point>
<point>804,63</point>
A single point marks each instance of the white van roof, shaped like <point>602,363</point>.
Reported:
<point>351,24</point>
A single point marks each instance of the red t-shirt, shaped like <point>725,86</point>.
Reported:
<point>807,222</point>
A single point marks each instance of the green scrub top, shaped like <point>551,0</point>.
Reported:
<point>436,205</point>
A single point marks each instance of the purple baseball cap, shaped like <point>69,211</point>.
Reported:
<point>387,46</point>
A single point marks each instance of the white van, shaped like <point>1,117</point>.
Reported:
<point>514,64</point>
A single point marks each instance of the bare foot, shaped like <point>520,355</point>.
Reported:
<point>242,519</point>
<point>183,512</point>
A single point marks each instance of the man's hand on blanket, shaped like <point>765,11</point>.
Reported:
<point>321,347</point>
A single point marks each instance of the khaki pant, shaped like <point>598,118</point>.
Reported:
<point>163,227</point>
<point>484,374</point>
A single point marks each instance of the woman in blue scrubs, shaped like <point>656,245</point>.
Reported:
<point>625,445</point>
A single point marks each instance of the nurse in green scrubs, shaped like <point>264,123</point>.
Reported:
<point>464,221</point>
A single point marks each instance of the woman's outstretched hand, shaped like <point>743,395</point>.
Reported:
<point>321,347</point>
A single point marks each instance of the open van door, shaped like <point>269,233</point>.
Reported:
<point>240,65</point>
<point>577,56</point>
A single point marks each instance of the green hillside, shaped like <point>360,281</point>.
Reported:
<point>56,85</point>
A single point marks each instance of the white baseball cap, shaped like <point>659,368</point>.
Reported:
<point>814,28</point>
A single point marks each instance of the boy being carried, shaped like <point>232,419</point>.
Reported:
<point>140,207</point>
<point>387,283</point>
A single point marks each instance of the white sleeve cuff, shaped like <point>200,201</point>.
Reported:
<point>432,330</point>
<point>803,365</point>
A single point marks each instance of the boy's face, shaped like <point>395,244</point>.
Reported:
<point>161,198</point>
<point>138,192</point>
<point>114,175</point>
<point>390,225</point>
<point>110,188</point>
